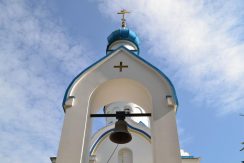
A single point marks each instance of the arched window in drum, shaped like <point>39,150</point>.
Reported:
<point>125,155</point>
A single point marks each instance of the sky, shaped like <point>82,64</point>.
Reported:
<point>199,45</point>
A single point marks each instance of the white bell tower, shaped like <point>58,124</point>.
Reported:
<point>120,81</point>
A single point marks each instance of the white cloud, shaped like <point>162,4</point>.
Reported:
<point>201,41</point>
<point>186,138</point>
<point>37,60</point>
<point>184,153</point>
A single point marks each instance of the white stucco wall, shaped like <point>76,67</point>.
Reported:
<point>191,160</point>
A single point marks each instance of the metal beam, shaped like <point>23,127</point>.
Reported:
<point>123,113</point>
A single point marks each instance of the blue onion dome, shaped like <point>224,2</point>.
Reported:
<point>123,37</point>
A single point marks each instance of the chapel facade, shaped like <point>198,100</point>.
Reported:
<point>121,81</point>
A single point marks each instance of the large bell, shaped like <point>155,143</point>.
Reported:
<point>120,134</point>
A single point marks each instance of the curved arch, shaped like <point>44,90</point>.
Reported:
<point>84,72</point>
<point>122,89</point>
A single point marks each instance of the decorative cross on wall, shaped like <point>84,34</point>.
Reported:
<point>121,66</point>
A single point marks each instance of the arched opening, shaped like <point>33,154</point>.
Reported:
<point>121,89</point>
<point>98,123</point>
<point>116,93</point>
<point>125,155</point>
<point>123,95</point>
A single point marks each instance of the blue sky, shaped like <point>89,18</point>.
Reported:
<point>198,44</point>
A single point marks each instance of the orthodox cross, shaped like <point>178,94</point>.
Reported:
<point>123,12</point>
<point>121,66</point>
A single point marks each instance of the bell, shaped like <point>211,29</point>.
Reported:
<point>120,134</point>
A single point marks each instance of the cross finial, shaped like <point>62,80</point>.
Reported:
<point>123,20</point>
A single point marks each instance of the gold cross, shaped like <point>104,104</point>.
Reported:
<point>121,66</point>
<point>123,12</point>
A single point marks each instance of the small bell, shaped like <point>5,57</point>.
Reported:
<point>120,134</point>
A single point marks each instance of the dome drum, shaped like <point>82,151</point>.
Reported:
<point>123,37</point>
